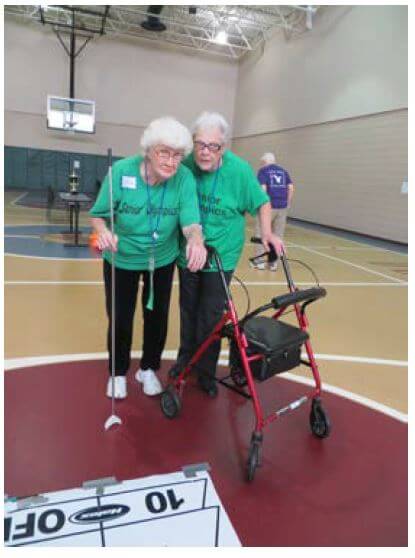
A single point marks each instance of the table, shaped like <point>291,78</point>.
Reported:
<point>74,202</point>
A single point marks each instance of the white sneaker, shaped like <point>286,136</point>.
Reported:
<point>120,387</point>
<point>257,265</point>
<point>151,384</point>
<point>273,267</point>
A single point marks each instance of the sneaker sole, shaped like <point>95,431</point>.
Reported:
<point>140,381</point>
<point>152,394</point>
<point>116,396</point>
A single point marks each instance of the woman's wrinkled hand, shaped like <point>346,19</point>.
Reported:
<point>195,254</point>
<point>274,240</point>
<point>105,240</point>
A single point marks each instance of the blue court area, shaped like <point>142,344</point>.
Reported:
<point>45,241</point>
<point>45,199</point>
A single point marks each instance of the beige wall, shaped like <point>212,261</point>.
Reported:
<point>347,174</point>
<point>353,62</point>
<point>131,82</point>
<point>29,130</point>
<point>333,105</point>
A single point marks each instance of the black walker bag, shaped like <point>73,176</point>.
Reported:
<point>279,343</point>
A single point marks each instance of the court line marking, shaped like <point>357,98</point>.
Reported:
<point>292,245</point>
<point>24,283</point>
<point>334,237</point>
<point>234,283</point>
<point>22,236</point>
<point>356,398</point>
<point>361,267</point>
<point>360,249</point>
<point>359,359</point>
<point>16,363</point>
<point>54,259</point>
<point>352,249</point>
<point>37,236</point>
<point>288,244</point>
<point>335,247</point>
<point>37,224</point>
<point>394,279</point>
<point>13,363</point>
<point>13,202</point>
<point>325,283</point>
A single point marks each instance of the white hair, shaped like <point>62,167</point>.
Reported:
<point>167,131</point>
<point>268,158</point>
<point>209,121</point>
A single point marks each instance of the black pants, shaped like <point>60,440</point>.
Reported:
<point>155,321</point>
<point>202,303</point>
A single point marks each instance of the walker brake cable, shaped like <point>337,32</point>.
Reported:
<point>246,293</point>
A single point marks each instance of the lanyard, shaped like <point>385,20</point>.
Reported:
<point>211,196</point>
<point>154,236</point>
<point>154,229</point>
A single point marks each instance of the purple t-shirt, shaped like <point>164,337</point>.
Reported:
<point>276,180</point>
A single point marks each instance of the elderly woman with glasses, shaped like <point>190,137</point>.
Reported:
<point>154,199</point>
<point>227,189</point>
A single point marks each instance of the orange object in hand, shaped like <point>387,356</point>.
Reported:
<point>93,241</point>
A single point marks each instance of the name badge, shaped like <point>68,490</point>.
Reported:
<point>129,182</point>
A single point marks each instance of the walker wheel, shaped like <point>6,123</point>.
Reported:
<point>238,376</point>
<point>253,459</point>
<point>170,402</point>
<point>319,420</point>
<point>173,373</point>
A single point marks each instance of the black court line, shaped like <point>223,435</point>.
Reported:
<point>101,524</point>
<point>217,526</point>
<point>204,493</point>
<point>178,514</point>
<point>109,527</point>
<point>104,495</point>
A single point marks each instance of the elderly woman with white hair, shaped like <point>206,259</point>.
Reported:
<point>154,199</point>
<point>227,190</point>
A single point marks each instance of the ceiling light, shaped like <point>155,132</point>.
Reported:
<point>221,37</point>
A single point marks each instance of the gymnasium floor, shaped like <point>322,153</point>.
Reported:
<point>55,375</point>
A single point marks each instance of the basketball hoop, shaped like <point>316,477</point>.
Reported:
<point>69,123</point>
<point>70,115</point>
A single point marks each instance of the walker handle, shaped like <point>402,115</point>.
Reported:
<point>212,253</point>
<point>309,295</point>
<point>271,254</point>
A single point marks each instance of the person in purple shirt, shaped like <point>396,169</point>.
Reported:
<point>277,183</point>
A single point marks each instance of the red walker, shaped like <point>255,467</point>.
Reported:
<point>260,347</point>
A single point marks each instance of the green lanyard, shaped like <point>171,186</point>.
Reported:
<point>154,228</point>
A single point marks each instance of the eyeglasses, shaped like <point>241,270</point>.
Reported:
<point>213,147</point>
<point>164,155</point>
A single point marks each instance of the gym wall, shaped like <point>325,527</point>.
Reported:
<point>131,82</point>
<point>333,105</point>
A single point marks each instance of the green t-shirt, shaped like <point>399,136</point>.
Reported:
<point>173,204</point>
<point>225,196</point>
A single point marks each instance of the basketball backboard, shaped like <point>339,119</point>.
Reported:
<point>70,115</point>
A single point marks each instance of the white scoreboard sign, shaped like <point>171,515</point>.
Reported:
<point>162,510</point>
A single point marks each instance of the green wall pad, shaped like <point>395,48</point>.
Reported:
<point>39,169</point>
